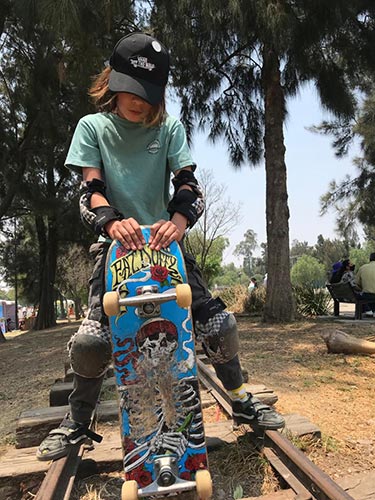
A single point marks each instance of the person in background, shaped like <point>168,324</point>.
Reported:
<point>335,272</point>
<point>265,279</point>
<point>365,280</point>
<point>343,272</point>
<point>252,285</point>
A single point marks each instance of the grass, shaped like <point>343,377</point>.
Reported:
<point>240,465</point>
<point>98,487</point>
<point>310,445</point>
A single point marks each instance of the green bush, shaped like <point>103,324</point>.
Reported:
<point>311,301</point>
<point>308,271</point>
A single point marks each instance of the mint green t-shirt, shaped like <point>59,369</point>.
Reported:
<point>135,161</point>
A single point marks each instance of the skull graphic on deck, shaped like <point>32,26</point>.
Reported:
<point>157,340</point>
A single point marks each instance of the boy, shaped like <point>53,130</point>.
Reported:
<point>127,153</point>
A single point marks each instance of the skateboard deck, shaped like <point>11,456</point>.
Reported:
<point>156,374</point>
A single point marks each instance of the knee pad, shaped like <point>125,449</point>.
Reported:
<point>219,337</point>
<point>90,351</point>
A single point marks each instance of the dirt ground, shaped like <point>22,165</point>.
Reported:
<point>336,392</point>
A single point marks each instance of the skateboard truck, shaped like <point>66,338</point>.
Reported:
<point>166,469</point>
<point>181,294</point>
<point>148,309</point>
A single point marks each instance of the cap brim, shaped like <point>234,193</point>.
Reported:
<point>118,82</point>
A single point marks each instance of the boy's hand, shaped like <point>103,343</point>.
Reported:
<point>128,232</point>
<point>164,232</point>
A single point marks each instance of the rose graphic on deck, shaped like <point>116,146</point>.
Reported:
<point>159,273</point>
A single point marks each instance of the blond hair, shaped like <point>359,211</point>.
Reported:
<point>106,100</point>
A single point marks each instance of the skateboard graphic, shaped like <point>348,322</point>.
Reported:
<point>162,433</point>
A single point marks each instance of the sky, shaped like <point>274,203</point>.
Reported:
<point>311,165</point>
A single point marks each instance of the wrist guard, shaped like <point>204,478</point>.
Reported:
<point>95,219</point>
<point>186,202</point>
<point>105,214</point>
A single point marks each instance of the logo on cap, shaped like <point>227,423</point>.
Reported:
<point>141,62</point>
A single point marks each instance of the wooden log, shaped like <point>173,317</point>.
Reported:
<point>60,391</point>
<point>34,425</point>
<point>298,425</point>
<point>340,342</point>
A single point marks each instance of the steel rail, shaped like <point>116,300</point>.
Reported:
<point>59,479</point>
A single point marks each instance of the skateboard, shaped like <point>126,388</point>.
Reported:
<point>148,304</point>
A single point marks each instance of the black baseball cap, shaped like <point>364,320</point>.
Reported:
<point>140,66</point>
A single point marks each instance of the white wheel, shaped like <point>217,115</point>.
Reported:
<point>129,490</point>
<point>183,295</point>
<point>203,483</point>
<point>110,303</point>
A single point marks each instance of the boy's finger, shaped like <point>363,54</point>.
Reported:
<point>135,232</point>
<point>154,231</point>
<point>166,237</point>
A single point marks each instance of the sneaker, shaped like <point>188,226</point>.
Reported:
<point>59,441</point>
<point>257,414</point>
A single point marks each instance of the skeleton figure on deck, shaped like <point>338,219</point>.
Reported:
<point>160,406</point>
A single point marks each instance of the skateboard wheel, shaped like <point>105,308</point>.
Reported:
<point>110,303</point>
<point>183,295</point>
<point>129,490</point>
<point>203,484</point>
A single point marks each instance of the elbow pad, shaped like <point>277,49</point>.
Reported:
<point>91,187</point>
<point>186,177</point>
<point>187,203</point>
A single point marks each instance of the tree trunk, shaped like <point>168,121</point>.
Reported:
<point>47,237</point>
<point>77,308</point>
<point>15,173</point>
<point>279,300</point>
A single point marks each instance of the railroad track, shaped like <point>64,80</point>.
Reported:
<point>304,479</point>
